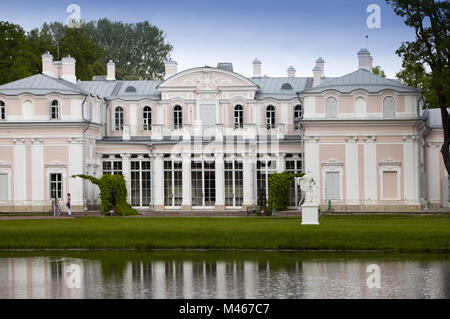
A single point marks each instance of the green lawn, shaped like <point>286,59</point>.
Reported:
<point>379,232</point>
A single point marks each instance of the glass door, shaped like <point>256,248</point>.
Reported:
<point>141,181</point>
<point>234,183</point>
<point>203,177</point>
<point>173,191</point>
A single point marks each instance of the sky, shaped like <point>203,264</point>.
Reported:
<point>279,33</point>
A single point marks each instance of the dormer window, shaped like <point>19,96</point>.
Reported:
<point>389,107</point>
<point>130,89</point>
<point>55,110</point>
<point>2,110</point>
<point>286,86</point>
<point>331,108</point>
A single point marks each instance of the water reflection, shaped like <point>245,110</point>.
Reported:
<point>149,275</point>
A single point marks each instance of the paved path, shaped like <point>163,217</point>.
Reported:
<point>35,217</point>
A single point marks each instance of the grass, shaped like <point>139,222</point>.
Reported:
<point>379,232</point>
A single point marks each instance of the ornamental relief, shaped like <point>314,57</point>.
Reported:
<point>207,81</point>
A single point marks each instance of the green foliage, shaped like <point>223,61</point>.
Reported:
<point>279,184</point>
<point>378,71</point>
<point>16,54</point>
<point>138,49</point>
<point>105,184</point>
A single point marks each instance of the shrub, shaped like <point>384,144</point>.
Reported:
<point>279,184</point>
<point>105,184</point>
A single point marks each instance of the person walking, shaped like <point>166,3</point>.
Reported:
<point>69,212</point>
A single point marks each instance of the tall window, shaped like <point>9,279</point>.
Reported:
<point>294,165</point>
<point>141,180</point>
<point>264,167</point>
<point>118,118</point>
<point>238,116</point>
<point>177,117</point>
<point>270,117</point>
<point>298,114</point>
<point>2,110</point>
<point>331,110</point>
<point>56,185</point>
<point>360,107</point>
<point>54,110</point>
<point>389,107</point>
<point>112,165</point>
<point>147,118</point>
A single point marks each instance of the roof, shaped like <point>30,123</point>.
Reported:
<point>433,117</point>
<point>41,84</point>
<point>271,87</point>
<point>361,79</point>
<point>117,89</point>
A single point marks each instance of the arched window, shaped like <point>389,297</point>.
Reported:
<point>360,107</point>
<point>389,107</point>
<point>130,89</point>
<point>147,118</point>
<point>286,86</point>
<point>238,116</point>
<point>2,110</point>
<point>270,117</point>
<point>55,110</point>
<point>118,118</point>
<point>177,117</point>
<point>298,114</point>
<point>331,111</point>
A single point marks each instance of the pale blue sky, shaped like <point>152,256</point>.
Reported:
<point>280,33</point>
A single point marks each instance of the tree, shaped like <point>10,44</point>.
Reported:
<point>62,41</point>
<point>16,54</point>
<point>417,76</point>
<point>378,71</point>
<point>138,50</point>
<point>430,20</point>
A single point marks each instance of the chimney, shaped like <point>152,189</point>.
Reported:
<point>47,64</point>
<point>365,60</point>
<point>291,72</point>
<point>256,68</point>
<point>317,72</point>
<point>68,69</point>
<point>110,71</point>
<point>171,69</point>
<point>321,63</point>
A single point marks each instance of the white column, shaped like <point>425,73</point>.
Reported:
<point>434,181</point>
<point>20,171</point>
<point>247,168</point>
<point>187,197</point>
<point>351,170</point>
<point>37,171</point>
<point>312,164</point>
<point>75,166</point>
<point>159,181</point>
<point>281,164</point>
<point>220,182</point>
<point>410,171</point>
<point>126,171</point>
<point>370,170</point>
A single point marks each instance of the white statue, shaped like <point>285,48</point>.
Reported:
<point>309,186</point>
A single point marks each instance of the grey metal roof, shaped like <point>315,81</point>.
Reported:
<point>361,79</point>
<point>117,89</point>
<point>433,117</point>
<point>41,84</point>
<point>271,87</point>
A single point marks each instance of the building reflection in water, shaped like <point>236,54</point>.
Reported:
<point>45,277</point>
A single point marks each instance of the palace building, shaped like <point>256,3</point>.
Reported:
<point>208,138</point>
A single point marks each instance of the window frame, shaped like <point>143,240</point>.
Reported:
<point>271,117</point>
<point>177,117</point>
<point>238,121</point>
<point>147,118</point>
<point>2,110</point>
<point>394,107</point>
<point>56,107</point>
<point>297,124</point>
<point>118,120</point>
<point>327,114</point>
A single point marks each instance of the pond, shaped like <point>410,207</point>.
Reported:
<point>222,274</point>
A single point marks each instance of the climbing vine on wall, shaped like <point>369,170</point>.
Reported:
<point>105,184</point>
<point>279,184</point>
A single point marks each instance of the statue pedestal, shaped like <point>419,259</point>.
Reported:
<point>310,214</point>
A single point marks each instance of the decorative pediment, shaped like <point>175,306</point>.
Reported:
<point>390,163</point>
<point>207,79</point>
